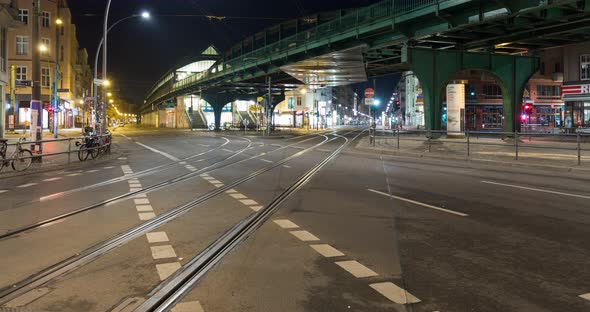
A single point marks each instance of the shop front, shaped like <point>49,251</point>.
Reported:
<point>577,106</point>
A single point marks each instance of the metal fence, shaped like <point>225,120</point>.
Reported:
<point>55,151</point>
<point>480,144</point>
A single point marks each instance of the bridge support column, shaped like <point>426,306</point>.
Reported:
<point>435,68</point>
<point>217,114</point>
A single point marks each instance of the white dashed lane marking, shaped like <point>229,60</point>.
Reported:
<point>73,174</point>
<point>265,160</point>
<point>109,167</point>
<point>208,178</point>
<point>420,204</point>
<point>238,196</point>
<point>286,166</point>
<point>158,151</point>
<point>133,185</point>
<point>356,269</point>
<point>146,216</point>
<point>286,224</point>
<point>135,189</point>
<point>536,189</point>
<point>248,202</point>
<point>585,296</point>
<point>52,179</point>
<point>255,208</point>
<point>27,185</point>
<point>144,208</point>
<point>327,250</point>
<point>214,181</point>
<point>231,191</point>
<point>228,150</point>
<point>92,171</point>
<point>163,252</point>
<point>157,237</point>
<point>3,191</point>
<point>167,269</point>
<point>141,201</point>
<point>304,236</point>
<point>122,158</point>
<point>394,293</point>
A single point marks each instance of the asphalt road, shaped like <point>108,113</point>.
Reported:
<point>365,233</point>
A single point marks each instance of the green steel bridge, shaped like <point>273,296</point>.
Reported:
<point>435,39</point>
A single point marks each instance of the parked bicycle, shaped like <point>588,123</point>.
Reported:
<point>20,160</point>
<point>93,145</point>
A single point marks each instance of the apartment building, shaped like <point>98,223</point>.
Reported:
<point>57,39</point>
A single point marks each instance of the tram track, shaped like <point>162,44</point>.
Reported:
<point>92,253</point>
<point>151,188</point>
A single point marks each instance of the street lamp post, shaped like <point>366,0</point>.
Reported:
<point>58,22</point>
<point>103,44</point>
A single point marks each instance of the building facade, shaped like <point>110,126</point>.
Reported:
<point>58,40</point>
<point>576,88</point>
<point>8,21</point>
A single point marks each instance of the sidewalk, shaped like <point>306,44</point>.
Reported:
<point>66,142</point>
<point>486,150</point>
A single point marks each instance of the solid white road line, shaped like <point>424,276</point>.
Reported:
<point>585,296</point>
<point>420,204</point>
<point>304,236</point>
<point>52,179</point>
<point>146,216</point>
<point>327,250</point>
<point>536,189</point>
<point>286,224</point>
<point>167,269</point>
<point>27,185</point>
<point>286,166</point>
<point>157,237</point>
<point>265,160</point>
<point>394,293</point>
<point>163,252</point>
<point>356,269</point>
<point>192,306</point>
<point>238,196</point>
<point>158,151</point>
<point>248,202</point>
<point>228,150</point>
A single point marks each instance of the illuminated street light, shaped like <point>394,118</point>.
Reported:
<point>111,101</point>
<point>43,48</point>
<point>303,91</point>
<point>145,15</point>
<point>81,101</point>
<point>59,21</point>
<point>109,94</point>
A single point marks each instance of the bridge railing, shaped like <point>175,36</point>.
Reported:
<point>361,17</point>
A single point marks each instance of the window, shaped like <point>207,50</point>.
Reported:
<point>542,69</point>
<point>299,101</point>
<point>47,43</point>
<point>558,68</point>
<point>21,73</point>
<point>45,77</point>
<point>3,65</point>
<point>45,18</point>
<point>585,67</point>
<point>544,91</point>
<point>23,16</point>
<point>492,91</point>
<point>22,45</point>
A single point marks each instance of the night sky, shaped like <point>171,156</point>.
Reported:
<point>141,51</point>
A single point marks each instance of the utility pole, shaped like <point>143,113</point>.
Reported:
<point>56,75</point>
<point>36,104</point>
<point>12,118</point>
<point>104,68</point>
<point>269,107</point>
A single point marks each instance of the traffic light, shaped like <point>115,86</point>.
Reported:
<point>527,109</point>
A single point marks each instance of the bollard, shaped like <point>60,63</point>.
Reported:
<point>579,149</point>
<point>516,144</point>
<point>468,146</point>
<point>69,150</point>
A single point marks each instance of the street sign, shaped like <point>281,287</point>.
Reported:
<point>23,83</point>
<point>369,101</point>
<point>369,93</point>
<point>63,90</point>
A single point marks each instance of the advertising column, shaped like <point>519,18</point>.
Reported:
<point>455,109</point>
